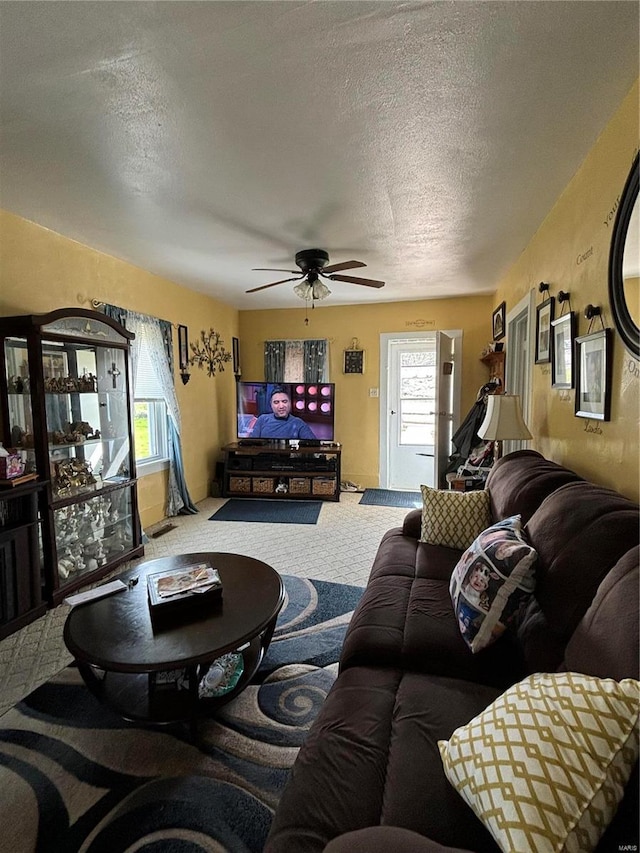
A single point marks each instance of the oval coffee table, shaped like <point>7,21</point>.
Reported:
<point>120,649</point>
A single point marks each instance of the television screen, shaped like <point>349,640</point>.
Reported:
<point>289,410</point>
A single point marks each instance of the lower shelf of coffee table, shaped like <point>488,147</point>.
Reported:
<point>136,696</point>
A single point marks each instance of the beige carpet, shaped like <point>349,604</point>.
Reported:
<point>339,548</point>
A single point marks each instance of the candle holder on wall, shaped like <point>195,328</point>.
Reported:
<point>183,353</point>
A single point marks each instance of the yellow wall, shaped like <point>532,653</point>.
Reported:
<point>571,251</point>
<point>41,270</point>
<point>357,414</point>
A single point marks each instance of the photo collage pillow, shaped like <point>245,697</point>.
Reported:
<point>492,582</point>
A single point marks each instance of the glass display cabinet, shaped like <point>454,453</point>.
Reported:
<point>66,410</point>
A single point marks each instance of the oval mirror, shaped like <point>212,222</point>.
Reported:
<point>624,265</point>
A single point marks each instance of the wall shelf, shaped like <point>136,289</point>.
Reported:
<point>495,362</point>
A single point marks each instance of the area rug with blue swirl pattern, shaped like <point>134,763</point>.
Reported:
<point>76,777</point>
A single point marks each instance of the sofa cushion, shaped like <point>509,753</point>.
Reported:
<point>580,532</point>
<point>520,481</point>
<point>453,519</point>
<point>607,640</point>
<point>371,758</point>
<point>405,618</point>
<point>545,765</point>
<point>384,839</point>
<point>492,580</point>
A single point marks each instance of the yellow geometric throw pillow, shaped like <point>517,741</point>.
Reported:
<point>453,519</point>
<point>545,765</point>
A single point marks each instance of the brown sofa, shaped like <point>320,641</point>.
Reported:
<point>369,775</point>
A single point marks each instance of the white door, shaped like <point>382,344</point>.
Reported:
<point>520,349</point>
<point>444,405</point>
<point>416,408</point>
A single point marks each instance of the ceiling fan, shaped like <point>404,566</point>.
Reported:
<point>313,265</point>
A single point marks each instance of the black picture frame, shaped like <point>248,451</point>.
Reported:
<point>235,348</point>
<point>498,321</point>
<point>353,361</point>
<point>562,335</point>
<point>183,348</point>
<point>544,317</point>
<point>593,355</point>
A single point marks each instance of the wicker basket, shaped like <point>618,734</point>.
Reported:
<point>239,484</point>
<point>263,485</point>
<point>323,486</point>
<point>299,485</point>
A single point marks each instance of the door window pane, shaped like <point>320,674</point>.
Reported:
<point>417,397</point>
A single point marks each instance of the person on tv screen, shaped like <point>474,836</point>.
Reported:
<point>280,423</point>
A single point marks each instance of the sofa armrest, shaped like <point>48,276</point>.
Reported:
<point>383,839</point>
<point>412,524</point>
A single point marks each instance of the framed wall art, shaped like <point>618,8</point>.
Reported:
<point>544,316</point>
<point>183,348</point>
<point>235,348</point>
<point>353,361</point>
<point>593,375</point>
<point>562,334</point>
<point>498,321</point>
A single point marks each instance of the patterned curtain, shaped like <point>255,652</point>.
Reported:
<point>294,362</point>
<point>316,361</point>
<point>274,358</point>
<point>159,334</point>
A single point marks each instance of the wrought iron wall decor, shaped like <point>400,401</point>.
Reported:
<point>210,353</point>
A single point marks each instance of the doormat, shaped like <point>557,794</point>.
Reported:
<point>388,497</point>
<point>269,511</point>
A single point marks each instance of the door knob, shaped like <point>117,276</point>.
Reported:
<point>392,412</point>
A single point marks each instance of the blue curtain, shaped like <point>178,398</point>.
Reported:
<point>159,334</point>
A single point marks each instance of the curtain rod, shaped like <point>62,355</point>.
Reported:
<point>297,340</point>
<point>96,303</point>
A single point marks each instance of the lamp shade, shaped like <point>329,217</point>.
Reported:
<point>503,419</point>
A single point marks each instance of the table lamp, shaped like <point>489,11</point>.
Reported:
<point>503,420</point>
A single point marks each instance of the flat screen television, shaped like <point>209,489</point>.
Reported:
<point>273,411</point>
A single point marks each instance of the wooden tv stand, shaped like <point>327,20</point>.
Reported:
<point>274,471</point>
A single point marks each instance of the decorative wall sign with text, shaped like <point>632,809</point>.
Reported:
<point>354,361</point>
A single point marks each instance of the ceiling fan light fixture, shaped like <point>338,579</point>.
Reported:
<point>320,290</point>
<point>311,292</point>
<point>313,264</point>
<point>303,290</point>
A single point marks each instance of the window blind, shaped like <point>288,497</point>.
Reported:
<point>146,386</point>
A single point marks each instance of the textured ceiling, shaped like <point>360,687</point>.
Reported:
<point>200,140</point>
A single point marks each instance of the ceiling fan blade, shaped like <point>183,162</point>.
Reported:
<point>345,265</point>
<point>273,284</point>
<point>368,282</point>
<point>273,269</point>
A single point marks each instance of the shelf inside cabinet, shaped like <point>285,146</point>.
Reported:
<point>88,441</point>
<point>103,488</point>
